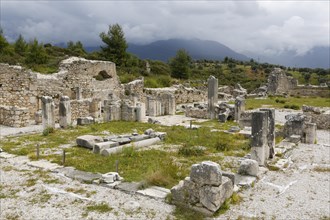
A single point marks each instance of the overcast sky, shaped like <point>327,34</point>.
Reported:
<point>258,26</point>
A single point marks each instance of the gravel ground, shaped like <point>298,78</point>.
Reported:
<point>301,191</point>
<point>28,193</point>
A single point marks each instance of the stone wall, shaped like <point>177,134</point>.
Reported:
<point>182,94</point>
<point>309,90</point>
<point>279,83</point>
<point>14,117</point>
<point>24,88</point>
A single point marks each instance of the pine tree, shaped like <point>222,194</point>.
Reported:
<point>3,41</point>
<point>36,54</point>
<point>20,45</point>
<point>116,45</point>
<point>180,65</point>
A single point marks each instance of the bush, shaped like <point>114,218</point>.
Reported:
<point>191,151</point>
<point>48,131</point>
<point>295,107</point>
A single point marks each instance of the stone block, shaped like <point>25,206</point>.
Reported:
<point>258,154</point>
<point>139,137</point>
<point>249,167</point>
<point>104,145</point>
<point>212,197</point>
<point>85,121</point>
<point>206,173</point>
<point>121,140</point>
<point>88,141</point>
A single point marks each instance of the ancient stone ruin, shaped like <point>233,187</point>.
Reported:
<point>116,143</point>
<point>205,190</point>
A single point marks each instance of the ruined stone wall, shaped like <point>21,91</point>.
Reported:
<point>24,88</point>
<point>182,94</point>
<point>14,117</point>
<point>79,108</point>
<point>316,91</point>
<point>279,82</point>
<point>135,88</point>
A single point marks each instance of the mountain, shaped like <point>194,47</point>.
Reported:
<point>197,49</point>
<point>317,57</point>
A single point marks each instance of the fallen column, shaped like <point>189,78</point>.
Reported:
<point>135,145</point>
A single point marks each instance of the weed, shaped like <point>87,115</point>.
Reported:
<point>191,151</point>
<point>102,207</point>
<point>321,169</point>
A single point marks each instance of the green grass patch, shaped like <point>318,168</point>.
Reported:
<point>102,208</point>
<point>161,167</point>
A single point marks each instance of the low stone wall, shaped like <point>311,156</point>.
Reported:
<point>317,91</point>
<point>14,116</point>
<point>196,112</point>
<point>182,94</point>
<point>320,116</point>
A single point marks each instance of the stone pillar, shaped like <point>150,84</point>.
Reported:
<point>309,136</point>
<point>140,112</point>
<point>271,130</point>
<point>48,110</point>
<point>78,93</point>
<point>259,143</point>
<point>239,108</point>
<point>212,96</point>
<point>152,106</point>
<point>65,112</point>
<point>94,108</point>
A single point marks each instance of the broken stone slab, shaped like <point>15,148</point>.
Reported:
<point>294,139</point>
<point>81,176</point>
<point>212,197</point>
<point>88,141</point>
<point>104,145</point>
<point>206,173</point>
<point>248,167</point>
<point>111,177</point>
<point>155,192</point>
<point>44,164</point>
<point>129,187</point>
<point>230,175</point>
<point>121,140</point>
<point>139,137</point>
<point>245,181</point>
<point>282,163</point>
<point>135,145</point>
<point>85,121</point>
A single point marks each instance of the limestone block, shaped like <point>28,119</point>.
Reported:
<point>258,154</point>
<point>103,145</point>
<point>212,197</point>
<point>249,167</point>
<point>191,190</point>
<point>206,173</point>
<point>309,133</point>
<point>178,193</point>
<point>85,121</point>
<point>88,141</point>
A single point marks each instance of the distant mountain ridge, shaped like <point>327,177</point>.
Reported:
<point>197,49</point>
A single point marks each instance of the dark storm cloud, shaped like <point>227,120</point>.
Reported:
<point>267,26</point>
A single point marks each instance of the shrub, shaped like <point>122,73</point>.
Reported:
<point>48,131</point>
<point>191,151</point>
<point>295,107</point>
